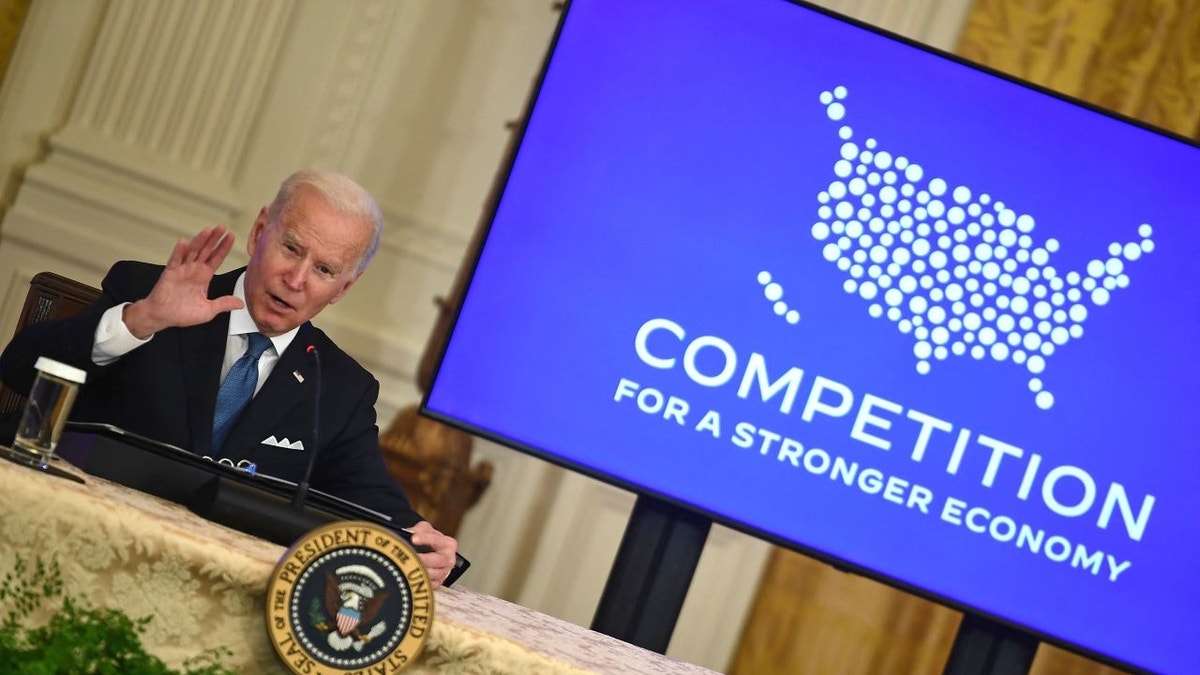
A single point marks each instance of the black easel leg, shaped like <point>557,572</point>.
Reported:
<point>651,574</point>
<point>984,647</point>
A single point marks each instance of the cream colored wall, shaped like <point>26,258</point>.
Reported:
<point>126,124</point>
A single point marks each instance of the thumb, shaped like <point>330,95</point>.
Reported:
<point>228,303</point>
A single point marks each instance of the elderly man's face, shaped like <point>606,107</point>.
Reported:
<point>301,263</point>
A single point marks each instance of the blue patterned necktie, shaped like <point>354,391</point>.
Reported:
<point>237,389</point>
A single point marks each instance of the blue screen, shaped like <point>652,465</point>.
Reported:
<point>860,299</point>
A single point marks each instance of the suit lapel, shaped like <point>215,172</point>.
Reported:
<point>282,392</point>
<point>201,352</point>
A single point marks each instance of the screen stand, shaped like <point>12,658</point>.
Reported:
<point>985,647</point>
<point>651,574</point>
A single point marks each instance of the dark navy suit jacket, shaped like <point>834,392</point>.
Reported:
<point>166,390</point>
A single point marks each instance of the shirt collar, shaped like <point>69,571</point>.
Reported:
<point>240,321</point>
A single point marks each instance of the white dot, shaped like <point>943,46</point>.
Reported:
<point>999,351</point>
<point>962,194</point>
<point>875,310</point>
<point>850,286</point>
<point>1032,341</point>
<point>978,352</point>
<point>923,367</point>
<point>1035,384</point>
<point>868,290</point>
<point>781,308</point>
<point>1144,230</point>
<point>922,350</point>
<point>937,186</point>
<point>987,335</point>
<point>842,168</point>
<point>913,172</point>
<point>1114,266</point>
<point>1036,364</point>
<point>1100,297</point>
<point>893,314</point>
<point>793,317</point>
<point>917,305</point>
<point>764,277</point>
<point>820,231</point>
<point>773,291</point>
<point>1045,400</point>
<point>937,314</point>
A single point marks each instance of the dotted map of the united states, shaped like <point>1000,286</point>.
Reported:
<point>955,268</point>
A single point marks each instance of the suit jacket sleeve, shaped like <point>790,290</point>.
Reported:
<point>70,339</point>
<point>352,466</point>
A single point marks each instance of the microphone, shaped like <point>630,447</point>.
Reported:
<point>302,488</point>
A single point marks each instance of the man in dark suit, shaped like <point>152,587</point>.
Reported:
<point>161,341</point>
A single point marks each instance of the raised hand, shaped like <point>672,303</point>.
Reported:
<point>180,297</point>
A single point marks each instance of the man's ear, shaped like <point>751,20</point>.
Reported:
<point>256,230</point>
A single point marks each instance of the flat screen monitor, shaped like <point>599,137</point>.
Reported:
<point>861,299</point>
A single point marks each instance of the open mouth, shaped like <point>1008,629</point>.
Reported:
<point>278,302</point>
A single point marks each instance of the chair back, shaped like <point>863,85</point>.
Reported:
<point>51,296</point>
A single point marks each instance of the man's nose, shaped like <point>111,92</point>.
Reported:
<point>295,275</point>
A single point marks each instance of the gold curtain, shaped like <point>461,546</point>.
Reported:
<point>12,14</point>
<point>1140,58</point>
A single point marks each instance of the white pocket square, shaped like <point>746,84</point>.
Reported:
<point>285,443</point>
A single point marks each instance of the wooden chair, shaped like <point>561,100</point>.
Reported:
<point>51,296</point>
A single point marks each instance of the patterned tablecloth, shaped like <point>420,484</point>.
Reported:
<point>204,586</point>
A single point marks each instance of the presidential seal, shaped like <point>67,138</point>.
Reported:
<point>349,597</point>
